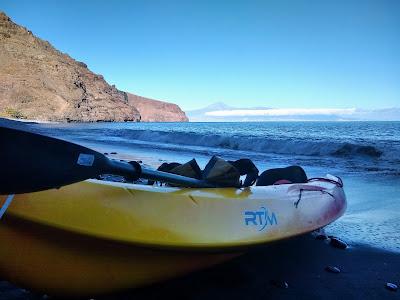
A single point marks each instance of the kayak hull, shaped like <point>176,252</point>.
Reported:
<point>69,265</point>
<point>97,237</point>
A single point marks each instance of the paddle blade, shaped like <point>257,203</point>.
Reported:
<point>31,162</point>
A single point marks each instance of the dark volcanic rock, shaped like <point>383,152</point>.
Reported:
<point>337,243</point>
<point>280,283</point>
<point>332,269</point>
<point>391,286</point>
<point>321,237</point>
<point>319,234</point>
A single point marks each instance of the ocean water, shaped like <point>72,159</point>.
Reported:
<point>366,155</point>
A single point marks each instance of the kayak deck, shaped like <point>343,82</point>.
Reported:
<point>180,218</point>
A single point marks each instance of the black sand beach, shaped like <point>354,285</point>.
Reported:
<point>300,262</point>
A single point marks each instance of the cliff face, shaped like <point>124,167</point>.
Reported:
<point>39,82</point>
<point>156,111</point>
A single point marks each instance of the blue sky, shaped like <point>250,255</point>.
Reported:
<point>302,54</point>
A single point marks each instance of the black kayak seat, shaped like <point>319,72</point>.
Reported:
<point>292,174</point>
<point>246,167</point>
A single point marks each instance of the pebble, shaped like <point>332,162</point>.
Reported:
<point>280,284</point>
<point>332,269</point>
<point>321,237</point>
<point>320,234</point>
<point>338,243</point>
<point>391,286</point>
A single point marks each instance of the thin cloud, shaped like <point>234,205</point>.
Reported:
<point>280,112</point>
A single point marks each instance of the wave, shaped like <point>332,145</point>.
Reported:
<point>288,146</point>
<point>350,149</point>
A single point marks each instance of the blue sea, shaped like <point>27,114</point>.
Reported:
<point>366,155</point>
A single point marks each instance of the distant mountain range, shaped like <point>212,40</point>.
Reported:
<point>221,112</point>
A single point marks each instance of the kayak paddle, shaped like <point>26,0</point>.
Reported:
<point>32,162</point>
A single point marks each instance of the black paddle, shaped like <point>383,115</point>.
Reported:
<point>32,162</point>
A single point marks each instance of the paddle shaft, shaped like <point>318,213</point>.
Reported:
<point>175,179</point>
<point>133,169</point>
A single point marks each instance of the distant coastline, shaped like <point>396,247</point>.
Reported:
<point>221,112</point>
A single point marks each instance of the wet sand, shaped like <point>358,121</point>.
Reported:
<point>300,262</point>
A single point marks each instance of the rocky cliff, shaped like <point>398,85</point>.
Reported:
<point>157,111</point>
<point>39,82</point>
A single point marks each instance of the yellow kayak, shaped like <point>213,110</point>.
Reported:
<point>97,237</point>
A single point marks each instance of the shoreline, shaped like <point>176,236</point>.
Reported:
<point>299,261</point>
<point>28,121</point>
